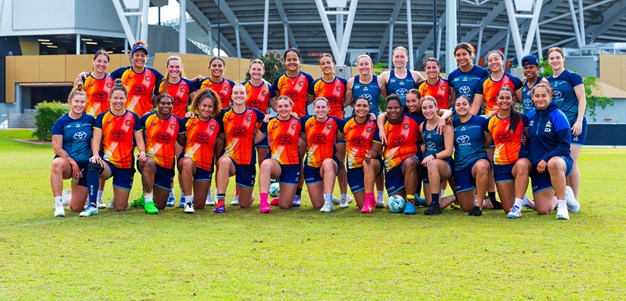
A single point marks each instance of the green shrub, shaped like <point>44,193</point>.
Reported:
<point>274,66</point>
<point>46,113</point>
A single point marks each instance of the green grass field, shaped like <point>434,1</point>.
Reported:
<point>303,254</point>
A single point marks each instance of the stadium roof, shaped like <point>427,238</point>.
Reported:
<point>483,23</point>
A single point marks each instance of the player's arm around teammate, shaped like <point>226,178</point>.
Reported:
<point>71,138</point>
<point>549,152</point>
<point>115,134</point>
<point>195,164</point>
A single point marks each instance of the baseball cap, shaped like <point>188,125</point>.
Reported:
<point>530,60</point>
<point>139,47</point>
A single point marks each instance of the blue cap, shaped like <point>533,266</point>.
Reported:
<point>530,60</point>
<point>139,47</point>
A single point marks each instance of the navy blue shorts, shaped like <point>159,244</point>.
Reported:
<point>245,174</point>
<point>541,181</point>
<point>394,180</point>
<point>202,175</point>
<point>580,139</point>
<point>450,165</point>
<point>503,172</point>
<point>163,177</point>
<point>463,179</point>
<point>312,174</point>
<point>263,143</point>
<point>82,167</point>
<point>289,174</point>
<point>122,177</point>
<point>356,176</point>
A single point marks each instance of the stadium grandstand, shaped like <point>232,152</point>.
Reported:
<point>62,34</point>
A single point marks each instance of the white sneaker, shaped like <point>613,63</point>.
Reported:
<point>235,201</point>
<point>111,206</point>
<point>572,204</point>
<point>515,212</point>
<point>336,200</point>
<point>561,213</point>
<point>327,208</point>
<point>380,203</point>
<point>345,203</point>
<point>90,211</point>
<point>100,203</point>
<point>210,201</point>
<point>528,203</point>
<point>59,211</point>
<point>189,208</point>
<point>66,196</point>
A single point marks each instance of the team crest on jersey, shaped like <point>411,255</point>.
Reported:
<point>148,78</point>
<point>442,88</point>
<point>183,90</point>
<point>406,126</point>
<point>212,127</point>
<point>330,126</point>
<point>152,124</point>
<point>172,126</point>
<point>248,118</point>
<point>293,126</point>
<point>301,84</point>
<point>369,129</point>
<point>264,93</point>
<point>531,123</point>
<point>338,89</point>
<point>109,85</point>
<point>548,127</point>
<point>127,122</point>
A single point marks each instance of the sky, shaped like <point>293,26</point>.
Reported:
<point>168,12</point>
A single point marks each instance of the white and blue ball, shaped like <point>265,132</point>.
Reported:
<point>274,189</point>
<point>396,203</point>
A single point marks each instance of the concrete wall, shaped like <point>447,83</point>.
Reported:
<point>43,17</point>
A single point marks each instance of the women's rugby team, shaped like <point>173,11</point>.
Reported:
<point>464,131</point>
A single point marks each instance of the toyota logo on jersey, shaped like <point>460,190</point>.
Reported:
<point>80,136</point>
<point>463,139</point>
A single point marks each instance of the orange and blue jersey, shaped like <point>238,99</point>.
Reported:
<point>296,88</point>
<point>160,137</point>
<point>283,136</point>
<point>180,94</point>
<point>334,91</point>
<point>508,144</point>
<point>489,89</point>
<point>223,89</point>
<point>258,97</point>
<point>440,91</point>
<point>359,139</point>
<point>402,141</point>
<point>201,138</point>
<point>321,138</point>
<point>97,91</point>
<point>118,138</point>
<point>140,87</point>
<point>239,131</point>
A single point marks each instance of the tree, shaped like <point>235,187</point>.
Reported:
<point>589,82</point>
<point>274,65</point>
